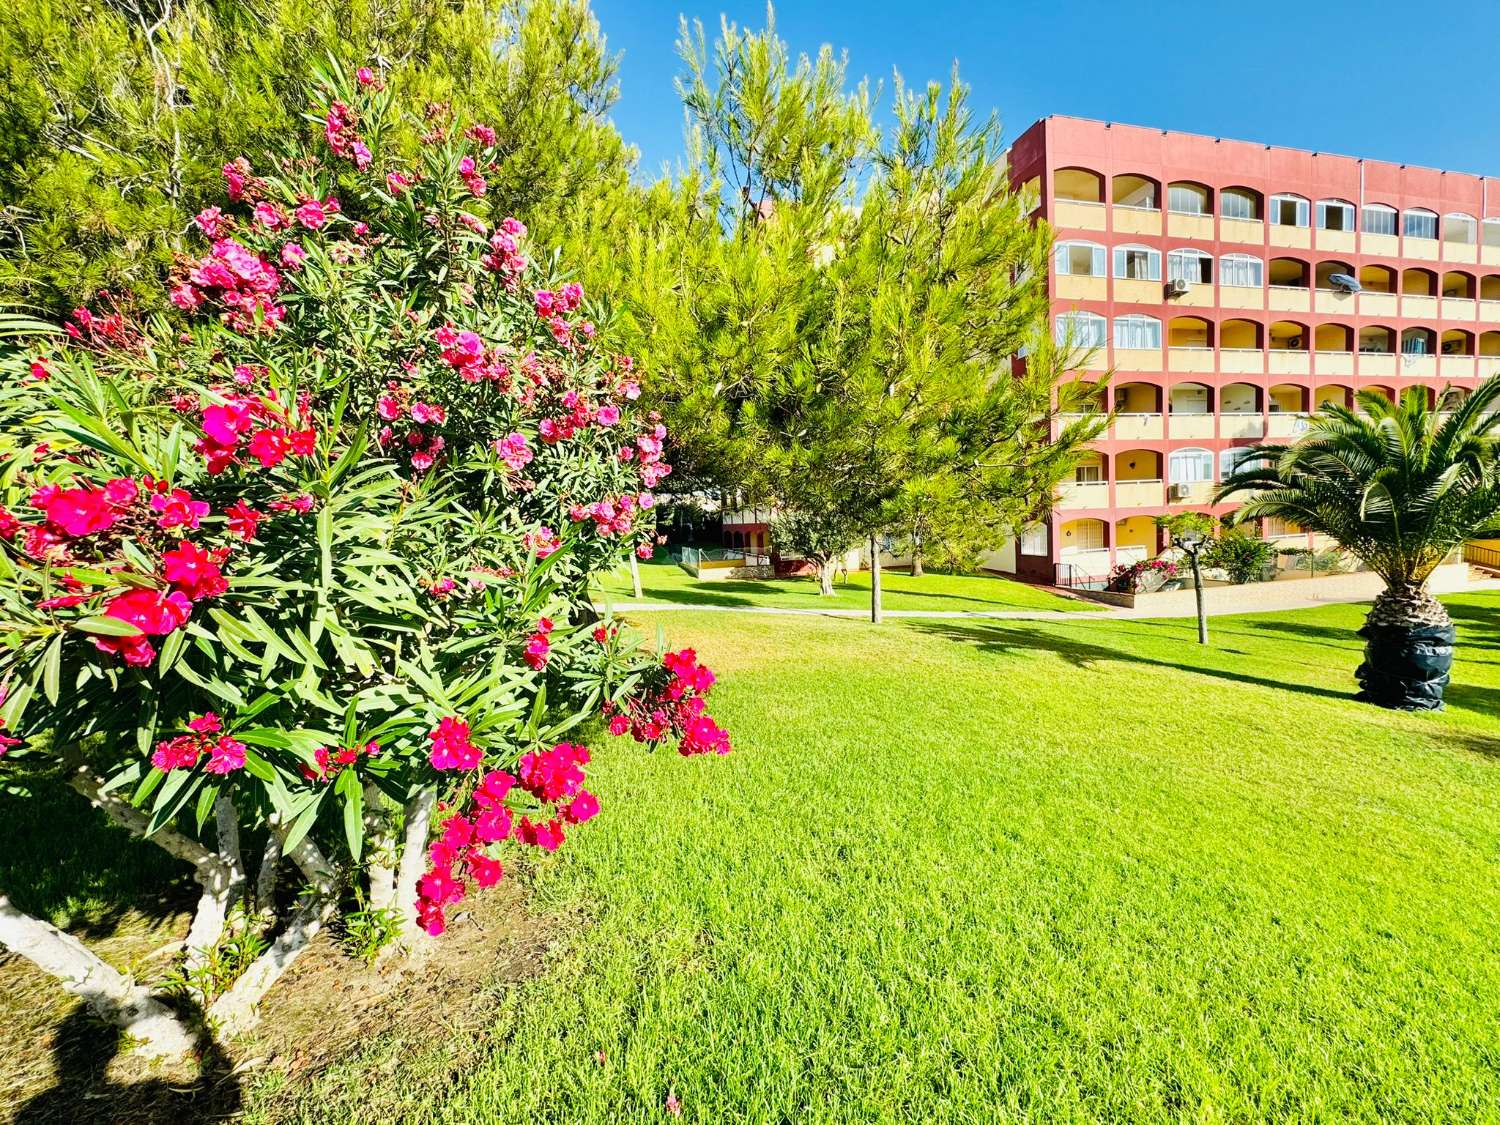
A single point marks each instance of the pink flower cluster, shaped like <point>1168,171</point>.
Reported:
<point>672,703</point>
<point>538,645</point>
<point>543,541</point>
<point>225,754</point>
<point>243,282</point>
<point>261,424</point>
<point>465,352</point>
<point>331,763</point>
<point>504,255</point>
<point>452,748</point>
<point>513,450</point>
<point>338,128</point>
<point>613,517</point>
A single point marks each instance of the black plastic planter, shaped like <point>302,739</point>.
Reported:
<point>1406,667</point>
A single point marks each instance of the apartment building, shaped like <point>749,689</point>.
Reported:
<point>1232,288</point>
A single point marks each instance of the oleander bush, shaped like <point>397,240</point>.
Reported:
<point>305,559</point>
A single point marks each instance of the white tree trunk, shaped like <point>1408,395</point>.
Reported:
<point>877,613</point>
<point>234,1011</point>
<point>222,884</point>
<point>264,902</point>
<point>825,577</point>
<point>381,844</point>
<point>109,993</point>
<point>413,865</point>
<point>635,575</point>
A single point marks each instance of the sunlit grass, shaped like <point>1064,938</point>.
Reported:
<point>1006,871</point>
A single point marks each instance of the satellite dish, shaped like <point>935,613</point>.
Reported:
<point>1344,281</point>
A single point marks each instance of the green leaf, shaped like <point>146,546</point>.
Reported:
<point>354,811</point>
<point>106,627</point>
<point>52,670</point>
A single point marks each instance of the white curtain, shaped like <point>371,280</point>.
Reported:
<point>1141,332</point>
<point>1241,270</point>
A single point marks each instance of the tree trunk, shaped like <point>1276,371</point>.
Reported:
<point>825,577</point>
<point>381,842</point>
<point>264,903</point>
<point>1409,642</point>
<point>222,884</point>
<point>1198,598</point>
<point>109,993</point>
<point>635,575</point>
<point>916,561</point>
<point>413,865</point>
<point>876,613</point>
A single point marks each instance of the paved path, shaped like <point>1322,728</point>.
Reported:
<point>1290,602</point>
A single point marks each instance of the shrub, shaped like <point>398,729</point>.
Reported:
<point>312,557</point>
<point>1140,577</point>
<point>1243,557</point>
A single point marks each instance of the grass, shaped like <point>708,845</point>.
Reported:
<point>1014,871</point>
<point>664,581</point>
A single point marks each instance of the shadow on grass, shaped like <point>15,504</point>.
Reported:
<point>84,1093</point>
<point>1011,640</point>
<point>106,874</point>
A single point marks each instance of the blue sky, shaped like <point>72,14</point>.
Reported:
<point>1331,76</point>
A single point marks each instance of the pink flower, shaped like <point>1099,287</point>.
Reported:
<point>154,612</point>
<point>514,451</point>
<point>226,756</point>
<point>206,723</point>
<point>270,216</point>
<point>618,724</point>
<point>292,256</point>
<point>427,412</point>
<point>194,571</point>
<point>440,887</point>
<point>269,447</point>
<point>178,509</point>
<point>241,520</point>
<point>365,76</point>
<point>537,651</point>
<point>486,871</point>
<point>396,183</point>
<point>311,215</point>
<point>360,155</point>
<point>236,176</point>
<point>210,221</point>
<point>608,415</point>
<point>451,747</point>
<point>492,824</point>
<point>177,753</point>
<point>583,807</point>
<point>547,836</point>
<point>122,492</point>
<point>79,511</point>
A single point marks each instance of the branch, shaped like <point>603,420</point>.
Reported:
<point>122,812</point>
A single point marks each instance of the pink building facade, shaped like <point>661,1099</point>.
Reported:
<point>1232,288</point>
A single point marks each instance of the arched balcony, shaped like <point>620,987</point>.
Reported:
<point>1450,399</point>
<point>1489,353</point>
<point>1078,199</point>
<point>1084,545</point>
<point>1334,345</point>
<point>1489,297</point>
<point>1288,281</point>
<point>1340,394</point>
<point>1138,479</point>
<point>1378,226</point>
<point>1240,347</point>
<point>1287,404</point>
<point>1336,225</point>
<point>1192,411</point>
<point>1460,237</point>
<point>1240,411</point>
<point>1378,286</point>
<point>1136,539</point>
<point>1460,295</point>
<point>1377,350</point>
<point>1456,348</point>
<point>1190,344</point>
<point>1090,485</point>
<point>1419,353</point>
<point>1190,476</point>
<point>1190,210</point>
<point>1138,412</point>
<point>1288,349</point>
<point>1419,290</point>
<point>1332,297</point>
<point>1419,233</point>
<point>1290,219</point>
<point>1137,340</point>
<point>1137,204</point>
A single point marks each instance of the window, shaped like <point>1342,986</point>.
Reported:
<point>1289,210</point>
<point>1335,214</point>
<point>1085,259</point>
<point>1419,224</point>
<point>1414,344</point>
<point>1239,203</point>
<point>1377,218</point>
<point>1460,229</point>
<point>1278,528</point>
<point>1235,458</point>
<point>1086,535</point>
<point>1192,266</point>
<point>1491,228</point>
<point>1190,466</point>
<point>1081,329</point>
<point>1140,332</point>
<point>1137,263</point>
<point>1241,270</point>
<point>1089,473</point>
<point>1034,540</point>
<point>1187,199</point>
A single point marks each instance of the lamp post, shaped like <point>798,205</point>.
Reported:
<point>1191,541</point>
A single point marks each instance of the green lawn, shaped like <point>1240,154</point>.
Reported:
<point>1014,871</point>
<point>663,581</point>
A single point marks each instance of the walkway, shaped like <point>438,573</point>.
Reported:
<point>1290,602</point>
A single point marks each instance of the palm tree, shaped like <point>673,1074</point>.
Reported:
<point>1399,486</point>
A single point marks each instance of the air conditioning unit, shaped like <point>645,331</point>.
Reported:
<point>1179,491</point>
<point>1177,287</point>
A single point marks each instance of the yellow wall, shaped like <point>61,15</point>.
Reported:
<point>1137,464</point>
<point>1137,531</point>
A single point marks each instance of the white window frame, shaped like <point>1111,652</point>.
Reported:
<point>1093,527</point>
<point>1327,206</point>
<point>1062,262</point>
<point>1202,459</point>
<point>1033,541</point>
<point>1388,214</point>
<point>1459,217</point>
<point>1091,330</point>
<point>1489,232</point>
<point>1419,213</point>
<point>1231,457</point>
<point>1151,257</point>
<point>1192,274</point>
<point>1089,472</point>
<point>1302,212</point>
<point>1136,331</point>
<point>1252,201</point>
<point>1232,265</point>
<point>1202,204</point>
